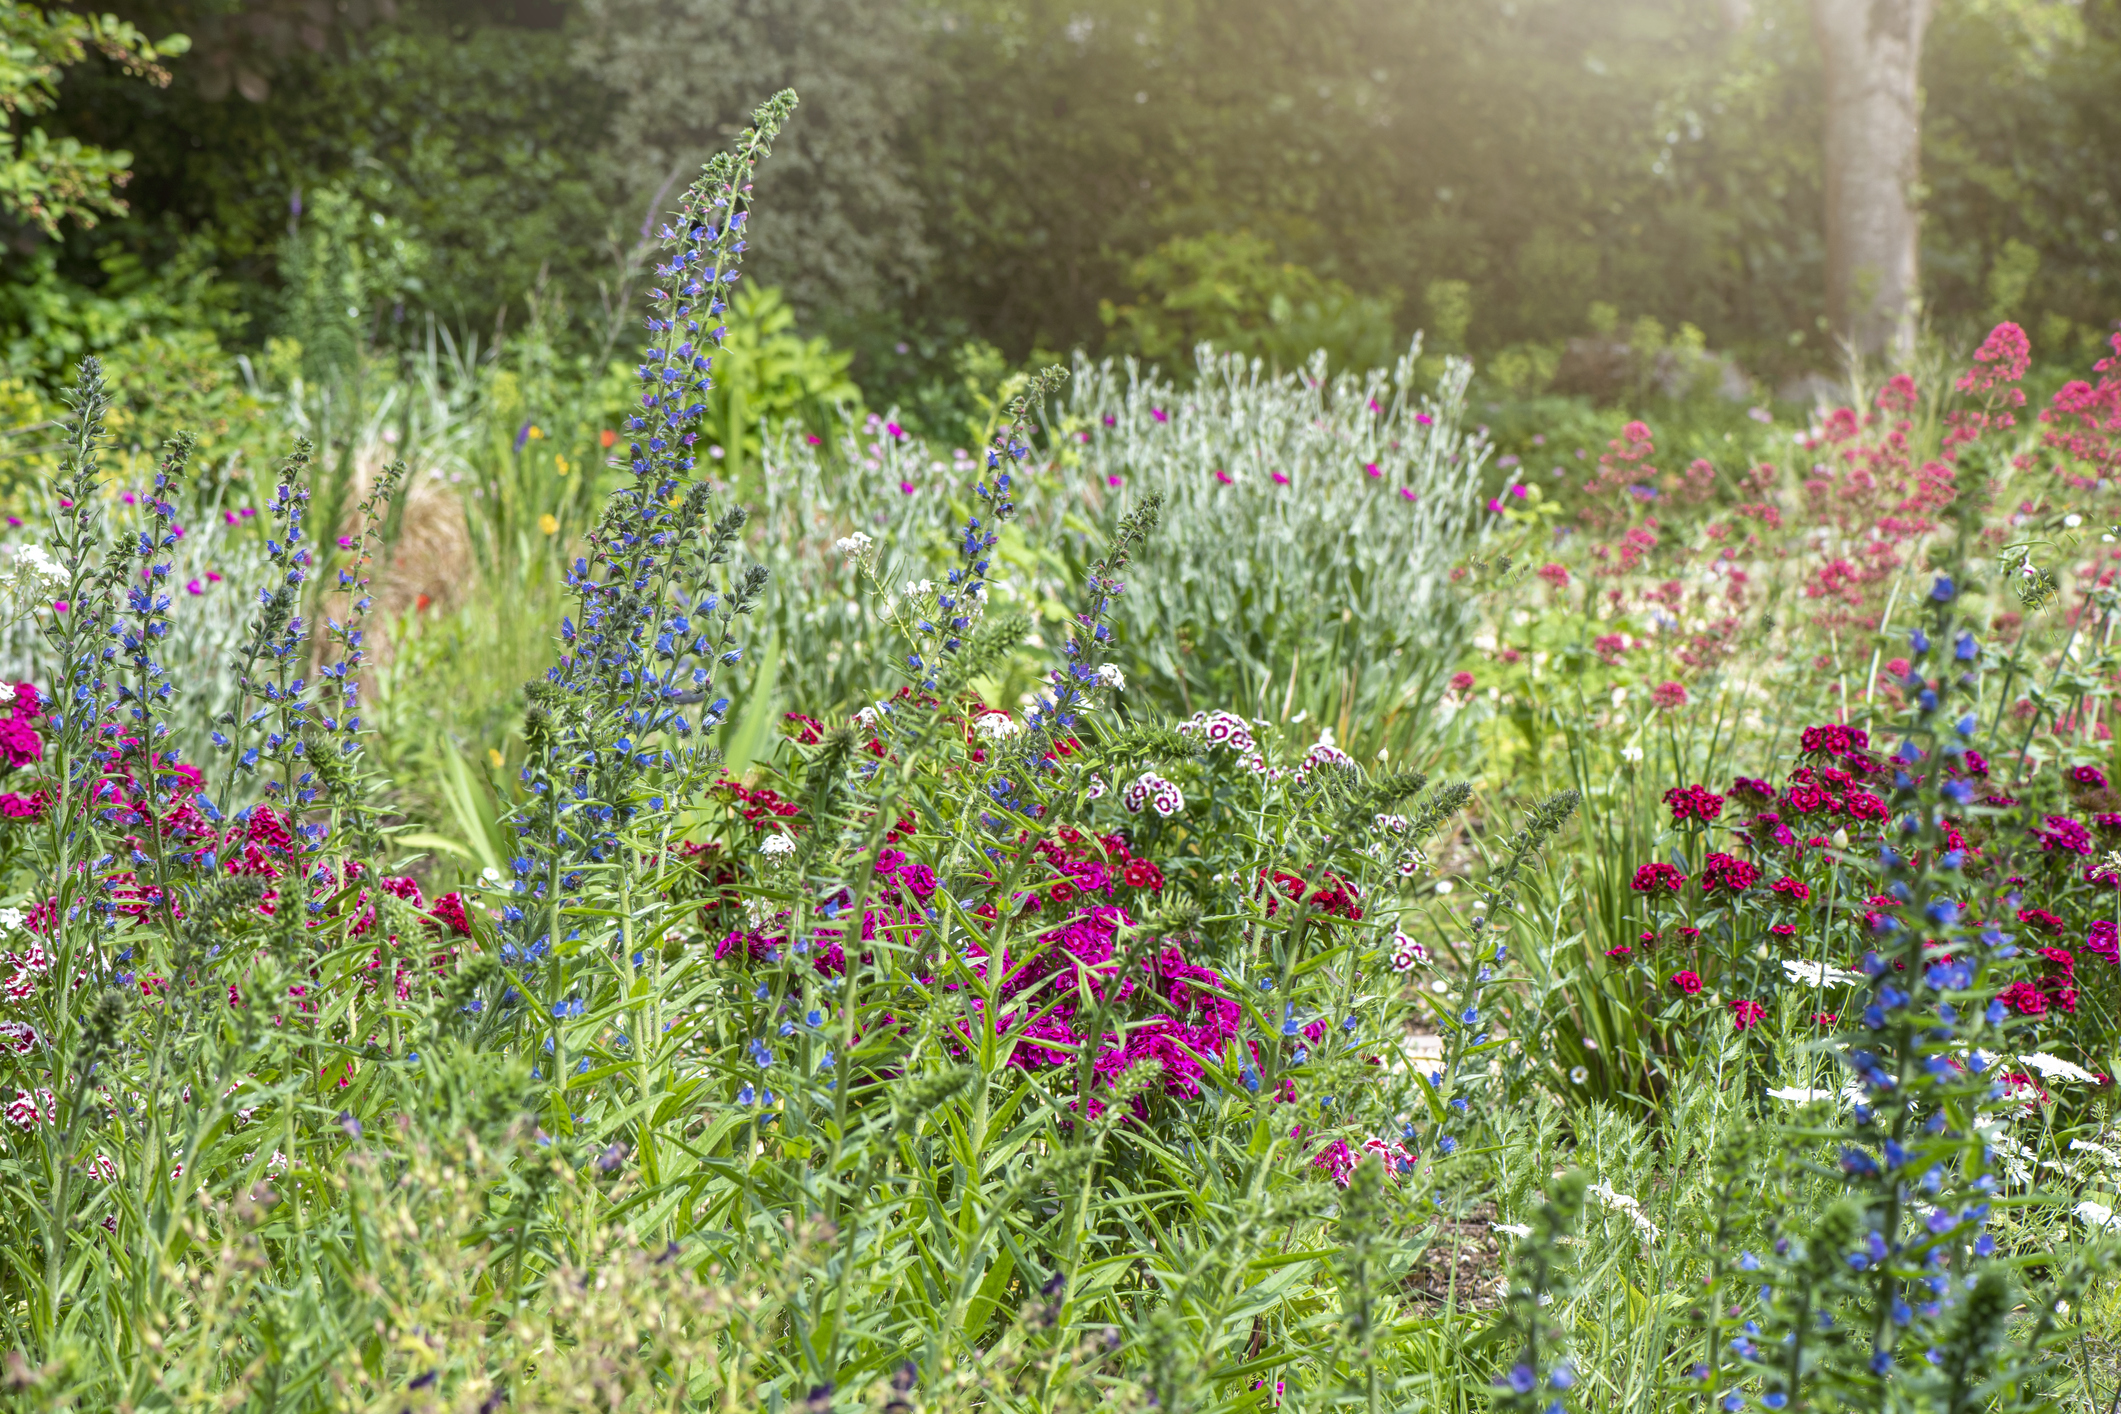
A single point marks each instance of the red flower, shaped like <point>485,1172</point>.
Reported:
<point>1725,871</point>
<point>2023,998</point>
<point>449,912</point>
<point>1693,803</point>
<point>1784,930</point>
<point>1141,874</point>
<point>1461,682</point>
<point>1687,982</point>
<point>2104,941</point>
<point>2044,921</point>
<point>1061,892</point>
<point>1668,695</point>
<point>2091,777</point>
<point>1745,1012</point>
<point>1794,889</point>
<point>1651,877</point>
<point>1862,805</point>
<point>1623,951</point>
<point>1834,741</point>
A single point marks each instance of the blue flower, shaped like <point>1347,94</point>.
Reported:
<point>1774,1399</point>
<point>1943,591</point>
<point>1918,643</point>
<point>1521,1379</point>
<point>1447,1145</point>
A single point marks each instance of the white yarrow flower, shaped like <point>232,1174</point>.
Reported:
<point>2056,1068</point>
<point>777,844</point>
<point>1622,1202</point>
<point>2095,1215</point>
<point>1815,974</point>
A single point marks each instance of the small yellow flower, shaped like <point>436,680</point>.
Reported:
<point>495,757</point>
<point>561,463</point>
<point>535,433</point>
<point>549,523</point>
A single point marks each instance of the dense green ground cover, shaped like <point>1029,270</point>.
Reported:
<point>1249,889</point>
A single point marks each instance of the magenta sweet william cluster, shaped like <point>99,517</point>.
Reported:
<point>1176,1013</point>
<point>20,746</point>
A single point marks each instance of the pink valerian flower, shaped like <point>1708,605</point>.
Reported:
<point>1693,803</point>
<point>1658,875</point>
<point>2002,359</point>
<point>1725,871</point>
<point>1746,1013</point>
<point>1556,575</point>
<point>2084,422</point>
<point>2064,834</point>
<point>1667,695</point>
<point>1687,983</point>
<point>1461,682</point>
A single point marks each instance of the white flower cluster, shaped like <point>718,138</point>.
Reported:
<point>1621,1202</point>
<point>996,726</point>
<point>1109,675</point>
<point>774,845</point>
<point>31,578</point>
<point>1814,974</point>
<point>2056,1068</point>
<point>854,546</point>
<point>1155,792</point>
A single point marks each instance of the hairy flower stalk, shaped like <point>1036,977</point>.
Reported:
<point>610,730</point>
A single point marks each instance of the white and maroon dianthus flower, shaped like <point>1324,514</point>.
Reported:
<point>30,1109</point>
<point>1406,953</point>
<point>1155,792</point>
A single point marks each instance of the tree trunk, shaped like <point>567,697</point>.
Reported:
<point>1873,53</point>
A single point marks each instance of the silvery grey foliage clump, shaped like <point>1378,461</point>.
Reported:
<point>1308,520</point>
